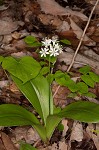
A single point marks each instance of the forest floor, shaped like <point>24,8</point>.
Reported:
<point>42,18</point>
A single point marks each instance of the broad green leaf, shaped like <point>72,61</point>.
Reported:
<point>1,59</point>
<point>51,124</point>
<point>24,69</point>
<point>56,110</point>
<point>28,90</point>
<point>82,110</point>
<point>44,70</point>
<point>85,69</point>
<point>89,94</point>
<point>13,115</point>
<point>67,42</point>
<point>88,80</point>
<point>43,91</point>
<point>94,76</point>
<point>26,146</point>
<point>41,131</point>
<point>38,94</point>
<point>32,41</point>
<point>83,88</point>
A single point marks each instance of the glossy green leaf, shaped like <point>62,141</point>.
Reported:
<point>87,79</point>
<point>85,69</point>
<point>25,146</point>
<point>37,92</point>
<point>1,59</point>
<point>32,41</point>
<point>13,115</point>
<point>83,88</point>
<point>67,42</point>
<point>94,76</point>
<point>51,124</point>
<point>43,91</point>
<point>28,90</point>
<point>24,69</point>
<point>82,110</point>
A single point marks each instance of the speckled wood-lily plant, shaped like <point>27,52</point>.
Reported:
<point>34,78</point>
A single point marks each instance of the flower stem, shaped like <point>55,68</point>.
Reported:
<point>49,85</point>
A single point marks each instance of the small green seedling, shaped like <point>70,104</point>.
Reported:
<point>35,83</point>
<point>87,79</point>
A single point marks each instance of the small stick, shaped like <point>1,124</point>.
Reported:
<point>78,47</point>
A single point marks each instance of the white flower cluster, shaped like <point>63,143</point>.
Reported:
<point>50,47</point>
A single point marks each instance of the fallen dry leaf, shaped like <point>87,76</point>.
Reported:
<point>63,145</point>
<point>93,136</point>
<point>77,132</point>
<point>7,26</point>
<point>65,122</point>
<point>78,31</point>
<point>1,145</point>
<point>80,60</point>
<point>4,83</point>
<point>52,7</point>
<point>7,142</point>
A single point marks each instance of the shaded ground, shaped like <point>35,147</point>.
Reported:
<point>67,19</point>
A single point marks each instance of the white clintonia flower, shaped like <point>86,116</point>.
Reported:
<point>51,47</point>
<point>44,52</point>
<point>46,42</point>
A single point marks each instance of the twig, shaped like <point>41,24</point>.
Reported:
<point>56,91</point>
<point>78,47</point>
<point>80,42</point>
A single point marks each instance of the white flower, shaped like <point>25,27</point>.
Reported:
<point>44,52</point>
<point>54,39</point>
<point>46,42</point>
<point>53,51</point>
<point>51,47</point>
